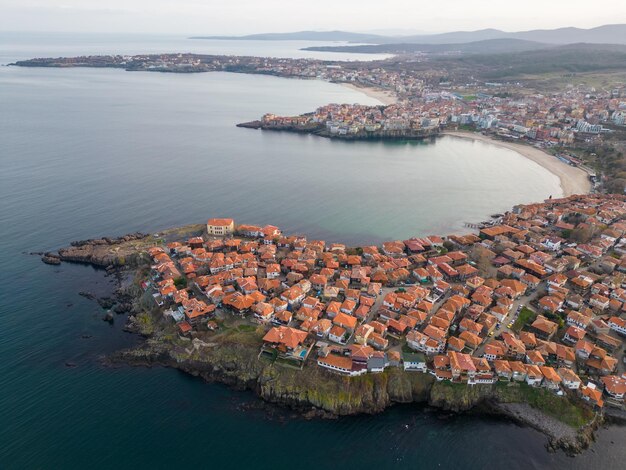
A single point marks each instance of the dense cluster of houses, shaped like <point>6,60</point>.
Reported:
<point>538,298</point>
<point>573,114</point>
<point>559,119</point>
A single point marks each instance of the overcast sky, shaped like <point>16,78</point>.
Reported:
<point>255,16</point>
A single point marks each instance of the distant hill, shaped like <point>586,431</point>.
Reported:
<point>607,34</point>
<point>305,36</point>
<point>571,58</point>
<point>488,46</point>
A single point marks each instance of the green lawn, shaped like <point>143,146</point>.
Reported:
<point>525,317</point>
<point>247,328</point>
<point>557,407</point>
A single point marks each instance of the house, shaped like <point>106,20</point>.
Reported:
<point>471,340</point>
<point>600,363</point>
<point>574,334</point>
<point>599,326</point>
<point>519,371</point>
<point>414,362</point>
<point>618,325</point>
<point>419,341</point>
<point>362,333</point>
<point>272,271</point>
<point>348,306</point>
<point>569,378</point>
<point>360,354</point>
<point>550,303</point>
<point>591,394</point>
<point>599,301</point>
<point>552,243</point>
<point>321,328</point>
<point>503,369</point>
<point>534,357</point>
<point>263,312</point>
<point>543,327</point>
<point>608,342</point>
<point>455,344</point>
<point>286,340</point>
<point>614,386</point>
<point>583,349</point>
<point>346,321</point>
<point>338,334</point>
<point>533,375</point>
<point>220,227</point>
<point>376,362</point>
<point>293,296</point>
<point>462,366</point>
<point>377,341</point>
<point>551,380</point>
<point>184,328</point>
<point>515,347</point>
<point>338,364</point>
<point>529,339</point>
<point>578,319</point>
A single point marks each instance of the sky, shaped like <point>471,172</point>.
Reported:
<point>258,16</point>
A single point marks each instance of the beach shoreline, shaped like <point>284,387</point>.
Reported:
<point>384,96</point>
<point>573,180</point>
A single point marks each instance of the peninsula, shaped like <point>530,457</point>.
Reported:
<point>524,318</point>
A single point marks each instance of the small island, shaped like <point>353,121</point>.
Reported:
<point>523,318</point>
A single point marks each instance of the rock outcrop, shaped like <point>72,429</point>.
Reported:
<point>105,252</point>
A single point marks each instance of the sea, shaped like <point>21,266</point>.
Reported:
<point>86,153</point>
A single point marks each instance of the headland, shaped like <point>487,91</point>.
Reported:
<point>522,319</point>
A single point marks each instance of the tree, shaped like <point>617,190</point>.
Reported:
<point>482,257</point>
<point>582,234</point>
<point>448,245</point>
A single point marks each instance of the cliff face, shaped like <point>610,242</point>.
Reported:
<point>459,397</point>
<point>371,393</point>
<point>233,360</point>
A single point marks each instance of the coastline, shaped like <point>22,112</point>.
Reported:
<point>572,180</point>
<point>384,96</point>
<point>316,393</point>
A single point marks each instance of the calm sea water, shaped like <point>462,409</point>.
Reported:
<point>91,152</point>
<point>15,45</point>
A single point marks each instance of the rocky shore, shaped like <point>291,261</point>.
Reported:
<point>232,360</point>
<point>102,252</point>
<point>116,252</point>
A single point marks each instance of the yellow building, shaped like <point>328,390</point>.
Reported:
<point>220,227</point>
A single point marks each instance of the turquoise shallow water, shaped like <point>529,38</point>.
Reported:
<point>90,152</point>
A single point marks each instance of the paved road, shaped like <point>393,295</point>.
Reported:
<point>511,317</point>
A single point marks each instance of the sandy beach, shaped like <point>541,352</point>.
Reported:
<point>385,97</point>
<point>573,180</point>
